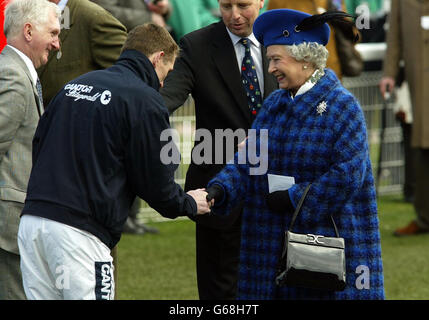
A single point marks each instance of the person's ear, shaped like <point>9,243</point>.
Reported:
<point>157,58</point>
<point>28,31</point>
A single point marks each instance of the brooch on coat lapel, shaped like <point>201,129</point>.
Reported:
<point>322,107</point>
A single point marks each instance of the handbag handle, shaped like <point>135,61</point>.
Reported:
<point>298,209</point>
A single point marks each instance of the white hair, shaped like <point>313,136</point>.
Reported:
<point>20,12</point>
<point>312,52</point>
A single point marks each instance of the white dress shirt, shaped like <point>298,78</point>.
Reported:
<point>255,51</point>
<point>309,83</point>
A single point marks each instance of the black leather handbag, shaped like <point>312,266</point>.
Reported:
<point>312,261</point>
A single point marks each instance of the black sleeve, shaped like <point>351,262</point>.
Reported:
<point>279,201</point>
<point>152,180</point>
<point>179,82</point>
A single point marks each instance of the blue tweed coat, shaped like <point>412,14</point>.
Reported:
<point>329,150</point>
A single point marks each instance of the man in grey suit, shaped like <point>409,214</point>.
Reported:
<point>31,28</point>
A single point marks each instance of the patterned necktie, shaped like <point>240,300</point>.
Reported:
<point>250,79</point>
<point>39,93</point>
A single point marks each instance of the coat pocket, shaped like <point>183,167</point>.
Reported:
<point>10,194</point>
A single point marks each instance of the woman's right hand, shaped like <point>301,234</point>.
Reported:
<point>215,194</point>
<point>279,201</point>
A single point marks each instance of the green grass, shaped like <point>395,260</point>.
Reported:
<point>406,259</point>
<point>162,266</point>
<point>158,266</point>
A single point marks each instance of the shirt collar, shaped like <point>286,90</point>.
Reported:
<point>28,63</point>
<point>235,38</point>
<point>62,4</point>
<point>317,74</point>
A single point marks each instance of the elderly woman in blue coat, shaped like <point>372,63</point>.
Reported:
<point>317,135</point>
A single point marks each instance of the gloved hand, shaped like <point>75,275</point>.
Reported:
<point>279,201</point>
<point>215,192</point>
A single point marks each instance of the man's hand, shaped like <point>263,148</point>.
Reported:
<point>162,7</point>
<point>199,196</point>
<point>386,84</point>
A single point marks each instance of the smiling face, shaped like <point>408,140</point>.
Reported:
<point>239,15</point>
<point>290,74</point>
<point>43,39</point>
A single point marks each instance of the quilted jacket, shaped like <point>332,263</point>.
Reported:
<point>319,137</point>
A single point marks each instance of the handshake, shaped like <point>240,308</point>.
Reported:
<point>206,198</point>
<point>277,201</point>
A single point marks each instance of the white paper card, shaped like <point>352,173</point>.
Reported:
<point>424,21</point>
<point>279,183</point>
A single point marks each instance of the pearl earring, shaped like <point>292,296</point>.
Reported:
<point>304,67</point>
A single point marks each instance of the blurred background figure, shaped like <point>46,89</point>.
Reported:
<point>373,5</point>
<point>132,13</point>
<point>408,27</point>
<point>190,15</point>
<point>133,224</point>
<point>378,11</point>
<point>402,109</point>
<point>316,7</point>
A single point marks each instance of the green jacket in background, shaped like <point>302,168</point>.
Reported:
<point>190,15</point>
<point>93,40</point>
<point>373,5</point>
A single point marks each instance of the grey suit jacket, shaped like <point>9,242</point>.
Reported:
<point>19,116</point>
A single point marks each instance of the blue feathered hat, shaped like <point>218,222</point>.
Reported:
<point>288,27</point>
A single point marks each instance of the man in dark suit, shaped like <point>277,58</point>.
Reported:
<point>209,68</point>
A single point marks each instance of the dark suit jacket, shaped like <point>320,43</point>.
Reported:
<point>93,41</point>
<point>207,69</point>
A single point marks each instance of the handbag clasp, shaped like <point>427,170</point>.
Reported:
<point>312,238</point>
